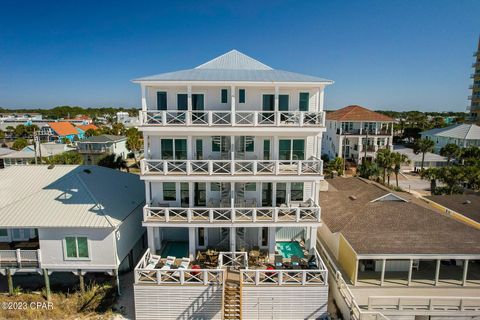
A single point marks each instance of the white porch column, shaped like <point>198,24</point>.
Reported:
<point>437,271</point>
<point>465,272</point>
<point>340,147</point>
<point>146,142</point>
<point>189,98</point>
<point>148,194</point>
<point>312,239</point>
<point>320,95</point>
<point>151,239</point>
<point>316,196</point>
<point>232,194</point>
<point>144,97</point>
<point>233,238</point>
<point>189,148</point>
<point>274,194</point>
<point>191,243</point>
<point>277,117</point>
<point>382,276</point>
<point>191,195</point>
<point>410,267</point>
<point>319,146</point>
<point>233,104</point>
<point>271,242</point>
<point>275,148</point>
<point>232,148</point>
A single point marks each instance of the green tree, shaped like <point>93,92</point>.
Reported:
<point>65,140</point>
<point>398,160</point>
<point>423,146</point>
<point>91,132</point>
<point>450,151</point>
<point>134,142</point>
<point>384,160</point>
<point>337,165</point>
<point>431,174</point>
<point>19,144</point>
<point>470,156</point>
<point>118,129</point>
<point>68,157</point>
<point>472,177</point>
<point>113,162</point>
<point>368,170</point>
<point>453,178</point>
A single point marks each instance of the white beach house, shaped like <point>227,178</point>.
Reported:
<point>232,171</point>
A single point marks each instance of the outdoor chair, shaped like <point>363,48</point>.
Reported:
<point>169,263</point>
<point>278,261</point>
<point>295,261</point>
<point>183,265</point>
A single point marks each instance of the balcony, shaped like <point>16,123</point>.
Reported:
<point>95,151</point>
<point>363,132</point>
<point>475,75</point>
<point>20,258</point>
<point>231,167</point>
<point>307,212</point>
<point>229,118</point>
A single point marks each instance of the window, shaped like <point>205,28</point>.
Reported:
<point>180,149</point>
<point>215,186</point>
<point>281,193</point>
<point>296,191</point>
<point>291,149</point>
<point>283,102</point>
<point>169,191</point>
<point>266,149</point>
<point>173,149</point>
<point>249,144</point>
<point>3,232</point>
<point>264,239</point>
<point>161,100</point>
<point>224,95</point>
<point>167,149</point>
<point>76,247</point>
<point>268,102</point>
<point>216,144</point>
<point>200,194</point>
<point>201,237</point>
<point>199,148</point>
<point>250,186</point>
<point>182,101</point>
<point>241,96</point>
<point>303,101</point>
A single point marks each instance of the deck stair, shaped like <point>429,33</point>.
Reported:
<point>232,295</point>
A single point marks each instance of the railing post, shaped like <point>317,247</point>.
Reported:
<point>255,118</point>
<point>210,167</point>
<point>205,277</point>
<point>304,277</point>
<point>277,167</point>
<point>164,118</point>
<point>299,167</point>
<point>254,168</point>
<point>189,215</point>
<point>19,257</point>
<point>189,167</point>
<point>297,214</point>
<point>280,277</point>
<point>275,214</point>
<point>232,214</point>
<point>165,167</point>
<point>188,117</point>
<point>182,276</point>
<point>254,215</point>
<point>39,258</point>
<point>257,277</point>
<point>232,167</point>
<point>210,118</point>
<point>167,214</point>
<point>159,277</point>
<point>301,118</point>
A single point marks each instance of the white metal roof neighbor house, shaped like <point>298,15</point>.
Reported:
<point>69,218</point>
<point>232,171</point>
<point>463,135</point>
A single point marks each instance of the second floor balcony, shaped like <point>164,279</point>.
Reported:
<point>313,166</point>
<point>226,118</point>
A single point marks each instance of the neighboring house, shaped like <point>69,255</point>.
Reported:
<point>96,147</point>
<point>355,132</point>
<point>4,152</point>
<point>27,154</point>
<point>82,128</point>
<point>463,207</point>
<point>232,164</point>
<point>432,160</point>
<point>463,135</point>
<point>474,107</point>
<point>59,130</point>
<point>128,121</point>
<point>399,257</point>
<point>69,219</point>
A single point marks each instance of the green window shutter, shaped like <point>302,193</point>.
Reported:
<point>71,247</point>
<point>224,95</point>
<point>215,146</point>
<point>199,148</point>
<point>241,96</point>
<point>266,149</point>
<point>161,100</point>
<point>283,102</point>
<point>298,149</point>
<point>303,101</point>
<point>182,101</point>
<point>284,149</point>
<point>197,102</point>
<point>180,149</point>
<point>268,102</point>
<point>167,149</point>
<point>169,191</point>
<point>250,147</point>
<point>82,243</point>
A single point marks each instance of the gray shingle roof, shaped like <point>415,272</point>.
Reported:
<point>67,196</point>
<point>233,66</point>
<point>103,138</point>
<point>458,131</point>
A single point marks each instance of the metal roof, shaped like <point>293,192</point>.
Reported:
<point>67,196</point>
<point>458,131</point>
<point>418,157</point>
<point>233,66</point>
<point>103,138</point>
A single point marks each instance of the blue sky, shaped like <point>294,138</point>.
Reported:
<point>401,55</point>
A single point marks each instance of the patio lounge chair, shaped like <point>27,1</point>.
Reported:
<point>169,263</point>
<point>278,261</point>
<point>152,262</point>
<point>183,265</point>
<point>295,261</point>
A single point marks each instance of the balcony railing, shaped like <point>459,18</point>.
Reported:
<point>146,272</point>
<point>231,167</point>
<point>474,97</point>
<point>229,118</point>
<point>279,277</point>
<point>20,258</point>
<point>365,132</point>
<point>231,215</point>
<point>95,151</point>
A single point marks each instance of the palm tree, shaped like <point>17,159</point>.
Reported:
<point>431,174</point>
<point>385,161</point>
<point>398,160</point>
<point>450,151</point>
<point>134,142</point>
<point>423,146</point>
<point>453,178</point>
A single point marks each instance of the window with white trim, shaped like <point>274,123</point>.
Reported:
<point>76,247</point>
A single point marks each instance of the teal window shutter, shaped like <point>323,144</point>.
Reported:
<point>182,101</point>
<point>303,101</point>
<point>241,96</point>
<point>224,95</point>
<point>283,102</point>
<point>161,100</point>
<point>215,145</point>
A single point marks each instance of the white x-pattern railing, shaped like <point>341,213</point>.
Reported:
<point>232,167</point>
<point>229,118</point>
<point>231,215</point>
<point>233,259</point>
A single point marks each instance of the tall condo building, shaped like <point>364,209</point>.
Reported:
<point>232,172</point>
<point>475,87</point>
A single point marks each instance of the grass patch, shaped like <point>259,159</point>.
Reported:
<point>95,303</point>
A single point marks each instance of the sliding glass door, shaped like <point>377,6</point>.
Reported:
<point>291,149</point>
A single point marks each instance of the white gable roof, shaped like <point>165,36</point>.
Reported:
<point>234,66</point>
<point>67,196</point>
<point>458,131</point>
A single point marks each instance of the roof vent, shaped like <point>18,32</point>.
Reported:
<point>51,166</point>
<point>352,197</point>
<point>87,171</point>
